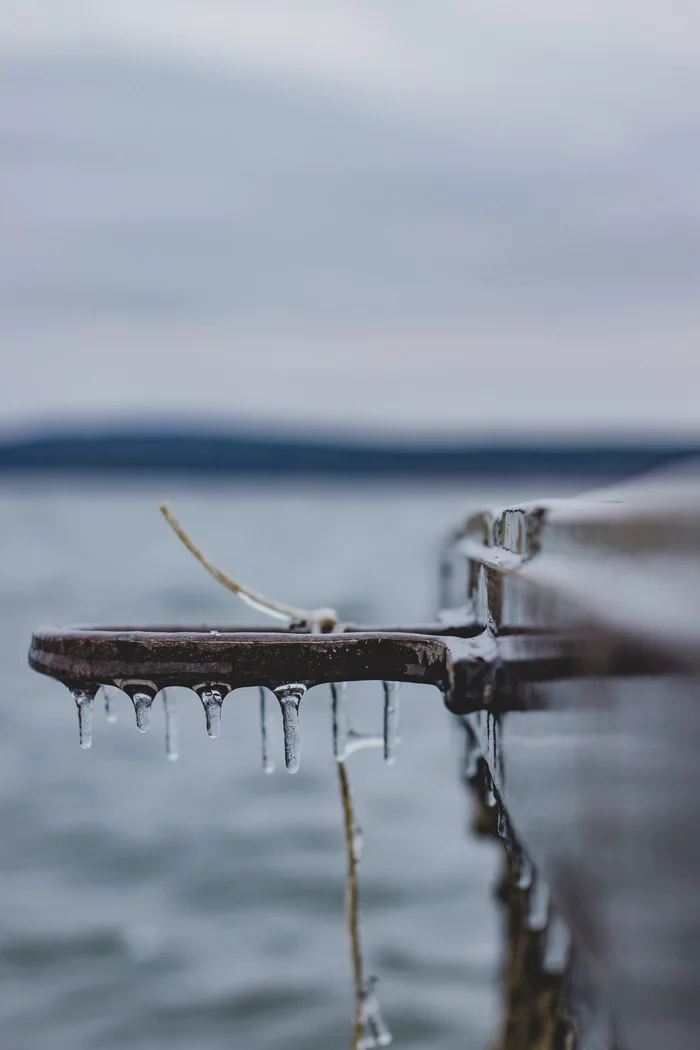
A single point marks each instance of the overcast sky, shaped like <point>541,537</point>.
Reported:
<point>449,215</point>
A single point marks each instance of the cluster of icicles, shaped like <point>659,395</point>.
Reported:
<point>374,1032</point>
<point>345,740</point>
<point>541,915</point>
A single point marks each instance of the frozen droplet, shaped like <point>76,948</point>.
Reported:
<point>110,711</point>
<point>142,706</point>
<point>339,695</point>
<point>374,1032</point>
<point>267,763</point>
<point>212,696</point>
<point>84,701</point>
<point>289,697</point>
<point>172,742</point>
<point>538,904</point>
<point>391,720</point>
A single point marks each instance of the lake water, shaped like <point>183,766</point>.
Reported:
<point>148,904</point>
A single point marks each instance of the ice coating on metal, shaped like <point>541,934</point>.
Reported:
<point>289,697</point>
<point>391,720</point>
<point>267,763</point>
<point>84,701</point>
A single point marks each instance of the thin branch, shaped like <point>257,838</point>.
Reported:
<point>352,902</point>
<point>320,619</point>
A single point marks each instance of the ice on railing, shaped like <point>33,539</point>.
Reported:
<point>84,701</point>
<point>346,741</point>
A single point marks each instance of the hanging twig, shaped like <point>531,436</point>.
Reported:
<point>318,619</point>
<point>352,902</point>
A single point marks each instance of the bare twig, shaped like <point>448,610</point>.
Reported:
<point>319,619</point>
<point>352,902</point>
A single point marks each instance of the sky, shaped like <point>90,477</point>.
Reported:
<point>456,216</point>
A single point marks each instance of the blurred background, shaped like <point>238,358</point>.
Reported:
<point>325,276</point>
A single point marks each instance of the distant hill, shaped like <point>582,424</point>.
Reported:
<point>141,451</point>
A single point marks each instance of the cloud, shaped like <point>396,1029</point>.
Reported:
<point>503,169</point>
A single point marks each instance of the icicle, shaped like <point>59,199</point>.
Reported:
<point>345,740</point>
<point>488,798</point>
<point>339,694</point>
<point>110,713</point>
<point>84,700</point>
<point>267,763</point>
<point>504,829</point>
<point>538,905</point>
<point>374,1032</point>
<point>289,697</point>
<point>142,706</point>
<point>212,696</point>
<point>557,944</point>
<point>172,743</point>
<point>391,720</point>
<point>525,873</point>
<point>472,754</point>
